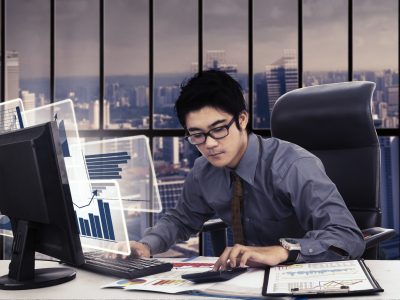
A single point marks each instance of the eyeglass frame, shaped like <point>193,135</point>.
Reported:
<point>209,133</point>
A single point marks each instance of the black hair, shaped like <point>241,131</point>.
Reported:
<point>210,88</point>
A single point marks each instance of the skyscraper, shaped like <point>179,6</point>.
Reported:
<point>389,192</point>
<point>94,114</point>
<point>28,99</point>
<point>12,75</point>
<point>216,60</point>
<point>281,76</point>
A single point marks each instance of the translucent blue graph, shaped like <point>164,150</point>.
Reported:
<point>101,221</point>
<point>98,226</point>
<point>127,160</point>
<point>98,207</point>
<point>10,117</point>
<point>107,165</point>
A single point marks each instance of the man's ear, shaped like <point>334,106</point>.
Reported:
<point>243,119</point>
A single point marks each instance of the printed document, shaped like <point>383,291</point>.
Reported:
<point>324,276</point>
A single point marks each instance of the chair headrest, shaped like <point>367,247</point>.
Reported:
<point>330,116</point>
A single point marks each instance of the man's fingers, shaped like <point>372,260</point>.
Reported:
<point>245,257</point>
<point>222,260</point>
<point>235,253</point>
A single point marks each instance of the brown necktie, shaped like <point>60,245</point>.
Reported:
<point>237,203</point>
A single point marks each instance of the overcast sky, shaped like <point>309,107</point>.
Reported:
<point>175,34</point>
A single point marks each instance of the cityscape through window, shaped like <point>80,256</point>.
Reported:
<point>122,63</point>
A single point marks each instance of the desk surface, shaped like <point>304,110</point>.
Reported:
<point>86,285</point>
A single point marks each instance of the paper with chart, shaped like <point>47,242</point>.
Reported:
<point>324,276</point>
<point>167,282</point>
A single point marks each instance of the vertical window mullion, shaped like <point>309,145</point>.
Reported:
<point>350,41</point>
<point>250,75</point>
<point>101,66</point>
<point>3,51</point>
<point>200,35</point>
<point>151,68</point>
<point>52,50</point>
<point>300,41</point>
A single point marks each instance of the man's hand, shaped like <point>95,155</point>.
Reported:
<point>240,255</point>
<point>137,250</point>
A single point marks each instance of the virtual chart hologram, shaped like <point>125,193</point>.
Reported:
<point>128,161</point>
<point>85,197</point>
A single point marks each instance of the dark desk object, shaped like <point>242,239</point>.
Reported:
<point>334,122</point>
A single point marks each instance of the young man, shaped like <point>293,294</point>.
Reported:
<point>290,209</point>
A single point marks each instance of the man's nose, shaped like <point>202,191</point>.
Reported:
<point>211,142</point>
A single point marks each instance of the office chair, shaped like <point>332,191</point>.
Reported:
<point>334,122</point>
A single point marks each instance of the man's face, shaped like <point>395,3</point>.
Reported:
<point>219,152</point>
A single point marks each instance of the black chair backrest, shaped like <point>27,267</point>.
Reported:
<point>334,122</point>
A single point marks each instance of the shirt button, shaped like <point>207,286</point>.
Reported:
<point>310,250</point>
<point>247,219</point>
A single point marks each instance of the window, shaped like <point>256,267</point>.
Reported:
<point>77,58</point>
<point>122,63</point>
<point>275,55</point>
<point>126,61</point>
<point>175,55</point>
<point>375,56</point>
<point>28,64</point>
<point>226,38</point>
<point>173,159</point>
<point>325,34</point>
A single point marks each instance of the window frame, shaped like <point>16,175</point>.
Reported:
<point>150,132</point>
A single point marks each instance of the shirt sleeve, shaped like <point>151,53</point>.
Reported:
<point>332,233</point>
<point>179,223</point>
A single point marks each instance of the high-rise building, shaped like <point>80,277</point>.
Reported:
<point>28,99</point>
<point>170,150</point>
<point>142,94</point>
<point>94,114</point>
<point>216,60</point>
<point>107,120</point>
<point>261,106</point>
<point>281,76</point>
<point>12,75</point>
<point>393,100</point>
<point>389,192</point>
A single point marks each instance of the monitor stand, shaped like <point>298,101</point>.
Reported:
<point>22,274</point>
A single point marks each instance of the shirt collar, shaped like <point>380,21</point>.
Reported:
<point>246,168</point>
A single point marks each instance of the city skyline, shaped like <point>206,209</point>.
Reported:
<point>126,39</point>
<point>127,97</point>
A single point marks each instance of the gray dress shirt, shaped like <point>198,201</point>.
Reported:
<point>287,194</point>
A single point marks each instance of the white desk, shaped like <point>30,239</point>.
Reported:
<point>86,285</point>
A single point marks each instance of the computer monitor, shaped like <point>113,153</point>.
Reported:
<point>35,195</point>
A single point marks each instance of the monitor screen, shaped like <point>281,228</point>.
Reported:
<point>35,195</point>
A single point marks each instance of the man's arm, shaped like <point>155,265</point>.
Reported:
<point>332,233</point>
<point>179,223</point>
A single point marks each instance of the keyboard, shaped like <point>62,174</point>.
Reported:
<point>128,268</point>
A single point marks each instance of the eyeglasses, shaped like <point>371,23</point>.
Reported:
<point>216,133</point>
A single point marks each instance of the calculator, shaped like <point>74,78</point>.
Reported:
<point>213,276</point>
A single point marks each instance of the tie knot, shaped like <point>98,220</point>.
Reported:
<point>234,176</point>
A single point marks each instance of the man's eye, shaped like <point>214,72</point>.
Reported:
<point>218,129</point>
<point>196,135</point>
